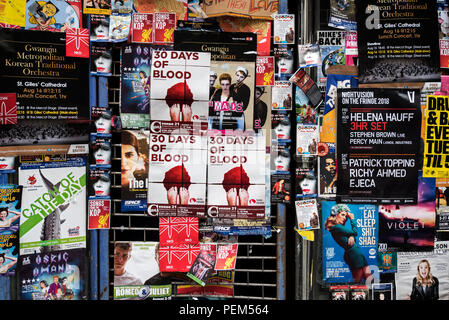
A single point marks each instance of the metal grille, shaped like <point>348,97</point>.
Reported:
<point>256,269</point>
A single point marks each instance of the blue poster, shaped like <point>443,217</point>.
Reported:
<point>334,82</point>
<point>349,242</point>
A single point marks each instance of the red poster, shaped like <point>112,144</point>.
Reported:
<point>8,108</point>
<point>226,257</point>
<point>176,231</point>
<point>444,53</point>
<point>99,214</point>
<point>142,28</point>
<point>177,258</point>
<point>164,26</point>
<point>77,42</point>
<point>265,71</point>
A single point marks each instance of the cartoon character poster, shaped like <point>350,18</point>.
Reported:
<point>10,211</point>
<point>54,207</point>
<point>56,275</point>
<point>53,15</point>
<point>349,242</point>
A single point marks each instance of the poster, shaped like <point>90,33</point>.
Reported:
<point>180,91</point>
<point>56,275</point>
<point>339,292</point>
<point>342,14</point>
<point>101,55</point>
<point>307,214</point>
<point>136,272</point>
<point>226,256</point>
<point>307,136</point>
<point>99,183</point>
<point>382,291</point>
<point>327,170</point>
<point>8,108</point>
<point>351,49</point>
<point>284,28</point>
<point>54,15</point>
<point>164,24</point>
<point>231,96</point>
<point>204,264</point>
<point>134,170</point>
<point>10,211</point>
<point>387,261</point>
<point>350,234</point>
<point>142,28</point>
<point>280,188</point>
<point>280,157</point>
<point>77,42</point>
<point>262,112</point>
<point>281,95</point>
<point>436,160</point>
<point>177,178</point>
<point>176,231</point>
<point>394,43</point>
<point>309,55</point>
<point>378,145</point>
<point>121,6</point>
<point>236,176</point>
<point>332,52</point>
<point>306,178</point>
<point>46,82</point>
<point>281,125</point>
<point>151,6</point>
<point>13,13</point>
<point>119,27</point>
<point>358,292</point>
<point>177,258</point>
<point>54,207</point>
<point>409,227</point>
<point>244,8</point>
<point>284,59</point>
<point>305,83</point>
<point>431,267</point>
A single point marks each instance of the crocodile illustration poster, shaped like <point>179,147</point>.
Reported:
<point>54,206</point>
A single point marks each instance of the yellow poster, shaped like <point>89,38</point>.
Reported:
<point>328,129</point>
<point>12,12</point>
<point>436,143</point>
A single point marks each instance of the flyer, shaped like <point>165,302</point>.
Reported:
<point>280,157</point>
<point>393,46</point>
<point>307,214</point>
<point>305,83</point>
<point>177,258</point>
<point>101,55</point>
<point>176,231</point>
<point>417,268</point>
<point>142,28</point>
<point>358,292</point>
<point>137,274</point>
<point>351,49</point>
<point>180,91</point>
<point>54,15</point>
<point>164,25</point>
<point>226,256</point>
<point>437,130</point>
<point>54,207</point>
<point>306,178</point>
<point>244,8</point>
<point>102,121</point>
<point>378,145</point>
<point>134,170</point>
<point>262,112</point>
<point>151,6</point>
<point>284,28</point>
<point>7,164</point>
<point>99,214</point>
<point>99,27</point>
<point>10,211</point>
<point>99,185</point>
<point>204,264</point>
<point>97,7</point>
<point>284,62</point>
<point>305,114</point>
<point>121,6</point>
<point>338,293</point>
<point>281,95</point>
<point>349,247</point>
<point>333,83</point>
<point>119,27</point>
<point>13,14</point>
<point>342,14</point>
<point>309,55</point>
<point>46,82</point>
<point>332,52</point>
<point>387,261</point>
<point>327,170</point>
<point>264,71</point>
<point>100,151</point>
<point>382,291</point>
<point>307,136</point>
<point>409,227</point>
<point>281,125</point>
<point>8,108</point>
<point>231,102</point>
<point>56,275</point>
<point>135,85</point>
<point>280,188</point>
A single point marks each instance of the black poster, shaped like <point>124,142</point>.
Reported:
<point>397,41</point>
<point>378,142</point>
<point>49,85</point>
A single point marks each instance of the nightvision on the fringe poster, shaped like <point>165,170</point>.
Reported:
<point>232,75</point>
<point>378,143</point>
<point>436,147</point>
<point>134,169</point>
<point>349,242</point>
<point>54,207</point>
<point>10,208</point>
<point>397,41</point>
<point>56,275</point>
<point>423,275</point>
<point>136,272</point>
<point>409,227</point>
<point>49,85</point>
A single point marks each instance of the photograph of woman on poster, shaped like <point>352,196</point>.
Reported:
<point>104,123</point>
<point>100,29</point>
<point>260,108</point>
<point>307,184</point>
<point>6,222</point>
<point>100,186</point>
<point>345,237</point>
<point>221,95</point>
<point>4,267</point>
<point>132,160</point>
<point>425,285</point>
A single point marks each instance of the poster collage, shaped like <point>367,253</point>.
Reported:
<point>210,96</point>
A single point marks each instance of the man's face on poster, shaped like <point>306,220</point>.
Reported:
<point>121,257</point>
<point>330,166</point>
